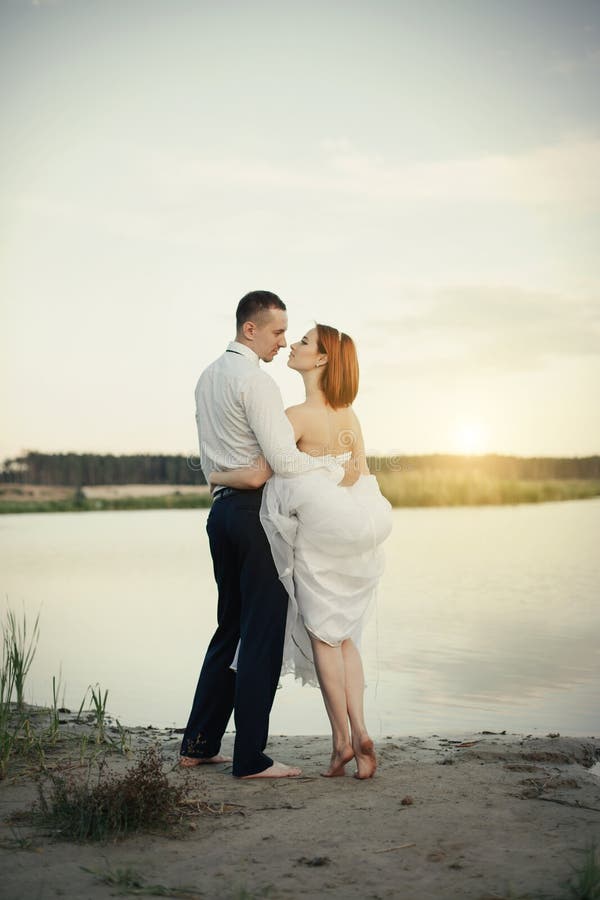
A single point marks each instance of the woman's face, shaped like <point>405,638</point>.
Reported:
<point>304,354</point>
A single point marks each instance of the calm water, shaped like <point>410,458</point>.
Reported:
<point>487,618</point>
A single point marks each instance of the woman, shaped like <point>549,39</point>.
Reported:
<point>325,540</point>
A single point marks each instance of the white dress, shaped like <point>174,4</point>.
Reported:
<point>326,544</point>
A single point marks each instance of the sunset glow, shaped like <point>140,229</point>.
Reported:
<point>420,176</point>
<point>470,438</point>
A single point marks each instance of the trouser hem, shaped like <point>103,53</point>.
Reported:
<point>265,763</point>
<point>205,753</point>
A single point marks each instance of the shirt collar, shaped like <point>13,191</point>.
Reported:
<point>243,350</point>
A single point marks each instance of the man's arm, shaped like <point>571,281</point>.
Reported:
<point>274,433</point>
<point>246,477</point>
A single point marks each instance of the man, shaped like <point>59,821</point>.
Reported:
<point>239,413</point>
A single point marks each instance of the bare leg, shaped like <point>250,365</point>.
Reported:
<point>355,689</point>
<point>329,664</point>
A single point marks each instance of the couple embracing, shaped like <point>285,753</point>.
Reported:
<point>295,529</point>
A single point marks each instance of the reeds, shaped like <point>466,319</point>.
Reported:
<point>20,732</point>
<point>98,709</point>
<point>21,650</point>
<point>437,487</point>
<point>18,651</point>
<point>7,684</point>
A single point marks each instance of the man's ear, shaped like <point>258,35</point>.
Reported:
<point>249,330</point>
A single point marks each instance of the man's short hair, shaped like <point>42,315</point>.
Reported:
<point>254,303</point>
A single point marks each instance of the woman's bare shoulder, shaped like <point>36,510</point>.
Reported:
<point>296,411</point>
<point>353,418</point>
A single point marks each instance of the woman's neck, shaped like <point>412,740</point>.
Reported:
<point>312,388</point>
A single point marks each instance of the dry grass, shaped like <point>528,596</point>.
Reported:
<point>105,805</point>
<point>430,487</point>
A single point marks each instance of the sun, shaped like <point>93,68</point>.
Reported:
<point>470,438</point>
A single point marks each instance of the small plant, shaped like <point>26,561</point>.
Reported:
<point>242,893</point>
<point>585,885</point>
<point>128,881</point>
<point>124,739</point>
<point>98,707</point>
<point>54,720</point>
<point>7,683</point>
<point>18,651</point>
<point>108,806</point>
<point>21,650</point>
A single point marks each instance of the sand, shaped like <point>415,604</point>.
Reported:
<point>16,492</point>
<point>460,816</point>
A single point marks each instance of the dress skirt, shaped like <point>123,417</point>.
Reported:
<point>326,545</point>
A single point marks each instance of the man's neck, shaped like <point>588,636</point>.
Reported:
<point>245,349</point>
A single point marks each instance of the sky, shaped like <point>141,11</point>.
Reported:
<point>423,176</point>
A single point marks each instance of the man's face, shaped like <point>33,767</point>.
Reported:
<point>267,336</point>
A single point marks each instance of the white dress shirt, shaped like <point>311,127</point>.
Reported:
<point>240,414</point>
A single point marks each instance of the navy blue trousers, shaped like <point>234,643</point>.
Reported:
<point>252,608</point>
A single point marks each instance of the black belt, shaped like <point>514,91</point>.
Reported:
<point>226,491</point>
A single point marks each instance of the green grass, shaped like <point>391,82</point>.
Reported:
<point>168,501</point>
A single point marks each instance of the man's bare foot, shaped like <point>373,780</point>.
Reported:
<point>277,770</point>
<point>187,762</point>
<point>339,758</point>
<point>366,761</point>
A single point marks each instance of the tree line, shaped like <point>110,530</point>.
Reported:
<point>78,469</point>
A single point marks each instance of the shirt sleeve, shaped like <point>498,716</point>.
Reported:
<point>266,416</point>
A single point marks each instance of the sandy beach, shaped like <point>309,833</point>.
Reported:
<point>477,816</point>
<point>97,492</point>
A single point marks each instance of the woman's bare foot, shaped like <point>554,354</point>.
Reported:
<point>277,770</point>
<point>366,761</point>
<point>187,762</point>
<point>339,758</point>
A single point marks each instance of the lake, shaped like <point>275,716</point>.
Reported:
<point>487,618</point>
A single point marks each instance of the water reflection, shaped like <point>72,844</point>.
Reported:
<point>486,618</point>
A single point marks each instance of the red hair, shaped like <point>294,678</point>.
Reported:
<point>339,381</point>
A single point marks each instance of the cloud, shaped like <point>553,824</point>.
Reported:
<point>588,62</point>
<point>490,327</point>
<point>158,194</point>
<point>562,174</point>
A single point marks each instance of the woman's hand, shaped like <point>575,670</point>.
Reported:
<point>354,468</point>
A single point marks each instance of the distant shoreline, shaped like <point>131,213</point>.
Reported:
<point>413,489</point>
<point>23,498</point>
